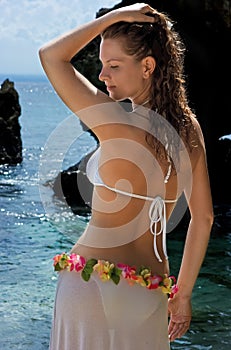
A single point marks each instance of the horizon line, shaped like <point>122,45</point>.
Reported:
<point>22,76</point>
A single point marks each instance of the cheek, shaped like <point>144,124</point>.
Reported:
<point>134,75</point>
<point>128,82</point>
<point>133,83</point>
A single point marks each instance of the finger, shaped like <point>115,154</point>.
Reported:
<point>170,327</point>
<point>178,330</point>
<point>148,11</point>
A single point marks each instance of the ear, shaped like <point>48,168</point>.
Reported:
<point>149,64</point>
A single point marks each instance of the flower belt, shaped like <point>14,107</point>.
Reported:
<point>110,271</point>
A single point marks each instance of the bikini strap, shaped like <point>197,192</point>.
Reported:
<point>157,214</point>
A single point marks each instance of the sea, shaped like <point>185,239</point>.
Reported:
<point>34,226</point>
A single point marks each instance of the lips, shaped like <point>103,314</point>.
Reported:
<point>110,88</point>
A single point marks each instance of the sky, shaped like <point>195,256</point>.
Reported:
<point>25,25</point>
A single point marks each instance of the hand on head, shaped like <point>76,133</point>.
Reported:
<point>139,12</point>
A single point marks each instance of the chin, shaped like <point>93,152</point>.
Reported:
<point>117,98</point>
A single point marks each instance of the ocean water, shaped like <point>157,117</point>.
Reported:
<point>34,228</point>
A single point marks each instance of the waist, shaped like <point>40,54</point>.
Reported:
<point>111,230</point>
<point>137,252</point>
<point>109,271</point>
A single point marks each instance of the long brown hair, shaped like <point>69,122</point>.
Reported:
<point>168,92</point>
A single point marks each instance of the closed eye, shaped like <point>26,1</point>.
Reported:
<point>114,67</point>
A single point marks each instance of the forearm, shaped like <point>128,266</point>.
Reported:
<point>67,45</point>
<point>194,252</point>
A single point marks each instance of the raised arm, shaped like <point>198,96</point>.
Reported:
<point>201,211</point>
<point>73,88</point>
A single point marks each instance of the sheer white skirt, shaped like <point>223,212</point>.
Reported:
<point>98,315</point>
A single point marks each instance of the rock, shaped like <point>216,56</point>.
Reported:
<point>219,171</point>
<point>69,182</point>
<point>10,135</point>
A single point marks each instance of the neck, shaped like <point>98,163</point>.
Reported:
<point>145,104</point>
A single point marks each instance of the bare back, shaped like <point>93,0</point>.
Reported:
<point>119,228</point>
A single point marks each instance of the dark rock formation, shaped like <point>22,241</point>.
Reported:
<point>10,136</point>
<point>67,187</point>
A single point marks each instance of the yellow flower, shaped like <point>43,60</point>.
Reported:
<point>166,290</point>
<point>141,281</point>
<point>60,261</point>
<point>104,277</point>
<point>145,273</point>
<point>104,269</point>
<point>167,284</point>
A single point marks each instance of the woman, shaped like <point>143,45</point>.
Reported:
<point>147,158</point>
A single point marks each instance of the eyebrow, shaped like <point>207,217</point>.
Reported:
<point>113,59</point>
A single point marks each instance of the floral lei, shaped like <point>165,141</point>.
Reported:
<point>109,271</point>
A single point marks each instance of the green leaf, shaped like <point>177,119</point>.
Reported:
<point>117,271</point>
<point>88,269</point>
<point>85,275</point>
<point>91,262</point>
<point>57,267</point>
<point>89,266</point>
<point>115,275</point>
<point>115,278</point>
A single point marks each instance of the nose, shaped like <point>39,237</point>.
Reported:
<point>103,75</point>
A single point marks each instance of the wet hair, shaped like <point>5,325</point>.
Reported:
<point>168,92</point>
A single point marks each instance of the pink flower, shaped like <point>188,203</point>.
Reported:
<point>174,290</point>
<point>154,282</point>
<point>127,271</point>
<point>173,278</point>
<point>76,262</point>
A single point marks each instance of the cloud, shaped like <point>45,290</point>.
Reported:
<point>27,24</point>
<point>40,20</point>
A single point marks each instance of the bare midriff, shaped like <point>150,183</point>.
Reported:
<point>137,252</point>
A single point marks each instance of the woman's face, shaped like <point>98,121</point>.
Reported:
<point>121,73</point>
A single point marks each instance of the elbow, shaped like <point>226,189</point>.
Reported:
<point>210,219</point>
<point>204,221</point>
<point>46,55</point>
<point>42,54</point>
<point>49,56</point>
<point>41,51</point>
<point>45,59</point>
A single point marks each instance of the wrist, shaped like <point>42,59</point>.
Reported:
<point>183,294</point>
<point>111,17</point>
<point>184,288</point>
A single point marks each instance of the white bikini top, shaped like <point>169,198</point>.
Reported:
<point>157,210</point>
